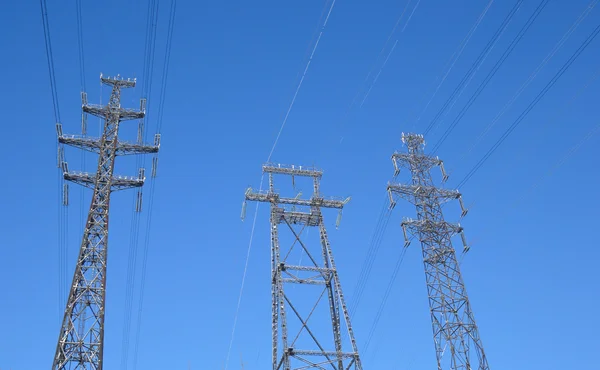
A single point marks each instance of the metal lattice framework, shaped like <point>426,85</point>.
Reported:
<point>81,340</point>
<point>308,348</point>
<point>454,330</point>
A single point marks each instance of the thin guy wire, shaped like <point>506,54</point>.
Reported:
<point>391,51</point>
<point>287,114</point>
<point>262,180</point>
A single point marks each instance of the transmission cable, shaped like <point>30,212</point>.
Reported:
<point>147,74</point>
<point>161,102</point>
<point>533,75</point>
<point>475,66</point>
<point>522,116</point>
<point>492,73</point>
<point>454,58</point>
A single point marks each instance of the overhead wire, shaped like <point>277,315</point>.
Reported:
<point>147,74</point>
<point>392,49</point>
<point>61,223</point>
<point>386,296</point>
<point>147,77</point>
<point>532,76</point>
<point>535,101</point>
<point>373,67</point>
<point>161,103</point>
<point>462,85</point>
<point>385,212</point>
<point>282,126</point>
<point>454,58</point>
<point>507,52</point>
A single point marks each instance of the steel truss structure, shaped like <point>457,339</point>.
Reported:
<point>308,348</point>
<point>454,328</point>
<point>81,339</point>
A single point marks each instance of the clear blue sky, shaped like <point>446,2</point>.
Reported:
<point>532,270</point>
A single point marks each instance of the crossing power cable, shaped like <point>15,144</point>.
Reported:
<point>532,76</point>
<point>61,227</point>
<point>371,71</point>
<point>492,73</point>
<point>385,212</point>
<point>535,101</point>
<point>474,67</point>
<point>453,59</point>
<point>289,109</point>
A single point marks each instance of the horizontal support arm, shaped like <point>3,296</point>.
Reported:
<point>298,352</point>
<point>423,162</point>
<point>413,192</point>
<point>292,170</point>
<point>117,183</point>
<point>93,145</point>
<point>313,202</point>
<point>428,226</point>
<point>104,111</point>
<point>303,281</point>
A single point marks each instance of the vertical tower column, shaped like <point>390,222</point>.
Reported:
<point>455,332</point>
<point>308,347</point>
<point>81,339</point>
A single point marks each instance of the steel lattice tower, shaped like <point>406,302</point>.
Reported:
<point>296,213</point>
<point>81,340</point>
<point>454,328</point>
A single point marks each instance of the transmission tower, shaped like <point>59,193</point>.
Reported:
<point>312,346</point>
<point>81,340</point>
<point>454,328</point>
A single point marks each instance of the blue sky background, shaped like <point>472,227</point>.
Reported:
<point>531,273</point>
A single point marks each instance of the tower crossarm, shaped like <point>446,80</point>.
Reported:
<point>94,145</point>
<point>292,170</point>
<point>117,81</point>
<point>104,111</point>
<point>266,196</point>
<point>415,193</point>
<point>117,182</point>
<point>427,226</point>
<point>421,161</point>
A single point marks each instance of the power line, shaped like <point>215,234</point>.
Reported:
<point>533,75</point>
<point>475,66</point>
<point>162,97</point>
<point>492,73</point>
<point>522,116</point>
<point>454,58</point>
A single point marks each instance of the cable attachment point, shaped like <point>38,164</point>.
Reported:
<point>65,195</point>
<point>138,202</point>
<point>462,207</point>
<point>464,239</point>
<point>338,220</point>
<point>406,240</point>
<point>443,170</point>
